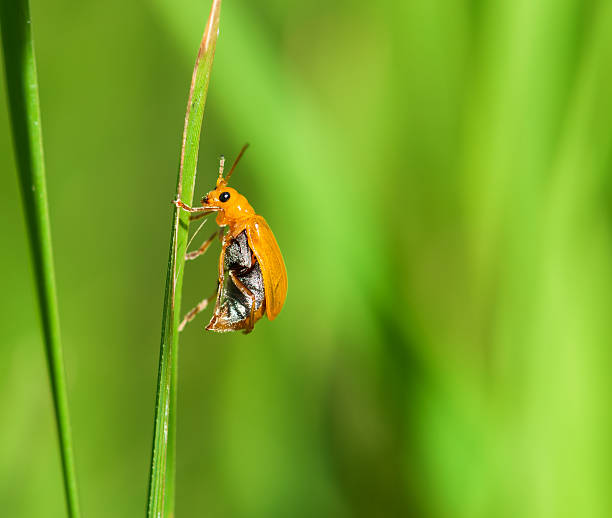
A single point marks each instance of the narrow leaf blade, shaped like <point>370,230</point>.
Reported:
<point>22,89</point>
<point>162,474</point>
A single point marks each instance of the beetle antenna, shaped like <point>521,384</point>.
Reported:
<point>221,166</point>
<point>236,161</point>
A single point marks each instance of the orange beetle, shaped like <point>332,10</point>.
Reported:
<point>257,283</point>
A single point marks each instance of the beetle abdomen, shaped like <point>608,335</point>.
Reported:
<point>235,305</point>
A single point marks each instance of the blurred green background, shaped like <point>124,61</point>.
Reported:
<point>437,174</point>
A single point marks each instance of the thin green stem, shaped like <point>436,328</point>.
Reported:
<point>22,87</point>
<point>162,474</point>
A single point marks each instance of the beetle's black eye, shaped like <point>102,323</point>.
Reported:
<point>224,196</point>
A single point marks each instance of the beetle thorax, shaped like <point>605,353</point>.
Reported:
<point>234,208</point>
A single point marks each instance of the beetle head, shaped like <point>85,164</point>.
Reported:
<point>228,202</point>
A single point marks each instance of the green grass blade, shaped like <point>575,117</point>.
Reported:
<point>162,475</point>
<point>22,88</point>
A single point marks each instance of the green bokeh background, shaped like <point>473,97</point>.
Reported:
<point>437,174</point>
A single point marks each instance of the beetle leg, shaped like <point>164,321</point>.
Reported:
<point>221,274</point>
<point>247,293</point>
<point>199,210</point>
<point>191,315</point>
<point>202,249</point>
